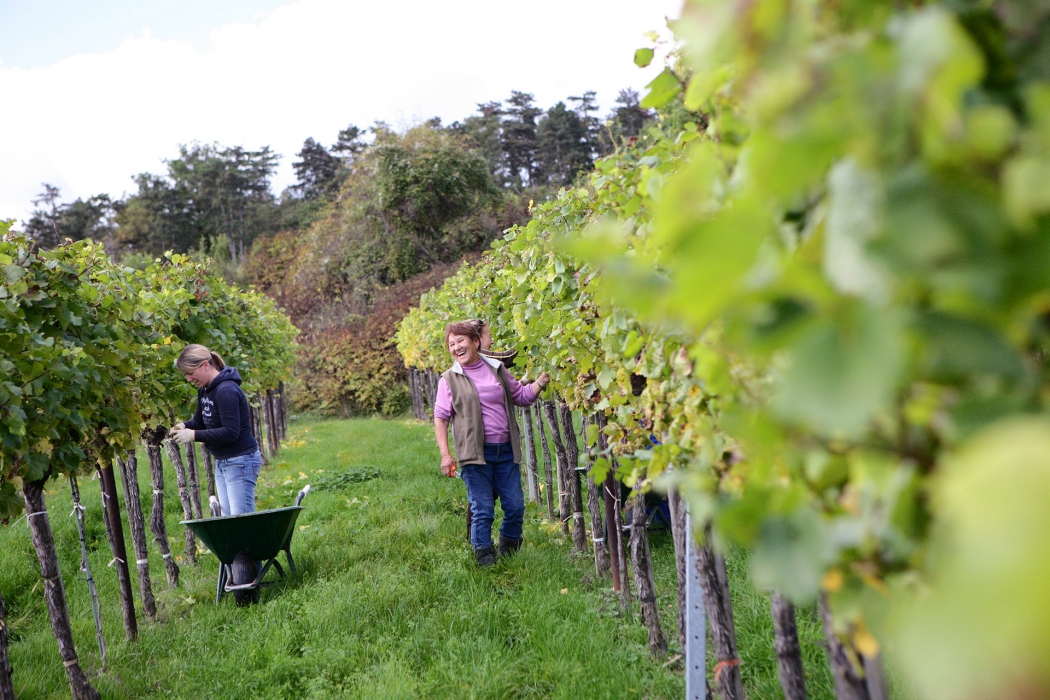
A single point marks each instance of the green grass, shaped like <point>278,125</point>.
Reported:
<point>387,602</point>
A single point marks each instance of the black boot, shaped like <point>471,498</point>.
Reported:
<point>486,556</point>
<point>508,546</point>
<point>244,571</point>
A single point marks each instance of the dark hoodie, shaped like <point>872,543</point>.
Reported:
<point>222,422</point>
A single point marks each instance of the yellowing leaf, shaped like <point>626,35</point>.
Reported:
<point>865,642</point>
<point>832,580</point>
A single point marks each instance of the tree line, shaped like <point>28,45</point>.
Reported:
<point>219,199</point>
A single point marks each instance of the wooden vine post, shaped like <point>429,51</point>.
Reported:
<point>613,520</point>
<point>115,533</point>
<point>7,685</point>
<point>610,491</point>
<point>787,647</point>
<point>282,413</point>
<point>133,505</point>
<point>572,478</point>
<point>711,566</point>
<point>85,567</point>
<point>418,405</point>
<point>415,393</point>
<point>550,412</point>
<point>193,480</point>
<point>594,508</point>
<point>209,471</point>
<point>175,455</point>
<point>430,385</point>
<point>271,424</point>
<point>428,395</point>
<point>261,430</point>
<point>419,408</point>
<point>255,418</point>
<point>678,534</point>
<point>412,392</point>
<point>54,593</point>
<point>267,421</point>
<point>641,558</point>
<point>532,479</point>
<point>157,524</point>
<point>275,415</point>
<point>615,525</point>
<point>548,467</point>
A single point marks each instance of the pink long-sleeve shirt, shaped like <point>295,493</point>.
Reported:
<point>490,393</point>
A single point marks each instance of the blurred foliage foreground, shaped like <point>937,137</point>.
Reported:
<point>825,291</point>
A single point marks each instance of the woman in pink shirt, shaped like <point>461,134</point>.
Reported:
<point>477,395</point>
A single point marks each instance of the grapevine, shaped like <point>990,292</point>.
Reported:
<point>832,280</point>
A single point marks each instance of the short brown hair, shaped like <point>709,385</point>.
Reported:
<point>193,356</point>
<point>471,329</point>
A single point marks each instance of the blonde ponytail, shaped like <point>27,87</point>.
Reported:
<point>194,355</point>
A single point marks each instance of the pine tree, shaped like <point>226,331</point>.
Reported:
<point>519,140</point>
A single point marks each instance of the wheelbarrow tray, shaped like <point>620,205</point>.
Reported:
<point>261,535</point>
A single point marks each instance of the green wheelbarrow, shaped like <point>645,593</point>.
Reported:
<point>240,541</point>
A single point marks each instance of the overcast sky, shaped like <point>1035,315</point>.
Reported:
<point>94,91</point>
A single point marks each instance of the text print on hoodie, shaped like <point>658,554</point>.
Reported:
<point>222,421</point>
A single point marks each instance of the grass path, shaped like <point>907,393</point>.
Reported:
<point>387,603</point>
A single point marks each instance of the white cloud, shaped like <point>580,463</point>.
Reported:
<point>89,122</point>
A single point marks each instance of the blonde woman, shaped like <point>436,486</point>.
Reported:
<point>222,423</point>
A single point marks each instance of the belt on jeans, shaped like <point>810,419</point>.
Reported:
<point>245,454</point>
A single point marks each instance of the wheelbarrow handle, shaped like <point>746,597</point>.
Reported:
<point>302,495</point>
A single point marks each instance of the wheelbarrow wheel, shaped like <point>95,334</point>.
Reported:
<point>244,572</point>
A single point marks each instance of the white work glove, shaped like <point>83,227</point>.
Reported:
<point>182,436</point>
<point>177,427</point>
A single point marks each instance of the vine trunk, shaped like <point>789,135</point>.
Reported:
<point>572,459</point>
<point>548,468</point>
<point>209,471</point>
<point>550,412</point>
<point>7,684</point>
<point>175,455</point>
<point>788,649</point>
<point>115,534</point>
<point>601,546</point>
<point>133,505</point>
<point>677,508</point>
<point>641,558</point>
<point>532,477</point>
<point>850,683</point>
<point>156,522</point>
<point>193,479</point>
<point>54,593</point>
<point>712,569</point>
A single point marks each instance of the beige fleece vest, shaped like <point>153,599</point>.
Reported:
<point>468,429</point>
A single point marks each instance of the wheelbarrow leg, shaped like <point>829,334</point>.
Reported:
<point>288,545</point>
<point>288,555</point>
<point>221,585</point>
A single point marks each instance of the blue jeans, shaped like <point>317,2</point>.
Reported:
<point>499,476</point>
<point>235,482</point>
